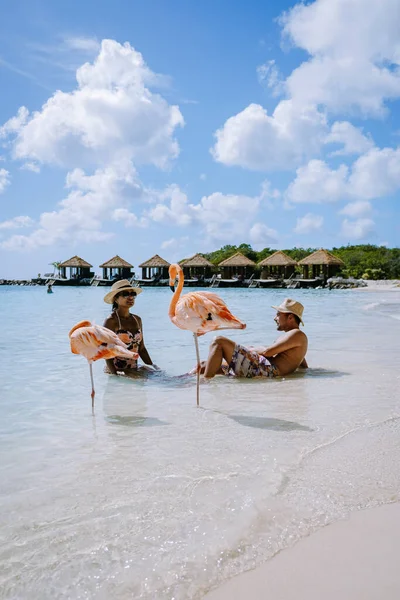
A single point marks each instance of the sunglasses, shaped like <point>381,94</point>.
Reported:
<point>126,294</point>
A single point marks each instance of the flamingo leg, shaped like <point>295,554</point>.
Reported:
<point>196,343</point>
<point>91,379</point>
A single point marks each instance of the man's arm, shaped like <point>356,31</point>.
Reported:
<point>303,364</point>
<point>292,340</point>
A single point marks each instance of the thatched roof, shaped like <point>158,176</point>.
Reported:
<point>196,261</point>
<point>155,261</point>
<point>321,257</point>
<point>75,261</point>
<point>237,260</point>
<point>114,262</point>
<point>277,259</point>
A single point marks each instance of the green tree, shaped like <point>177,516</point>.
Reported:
<point>56,265</point>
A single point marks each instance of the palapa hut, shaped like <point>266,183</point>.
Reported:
<point>196,267</point>
<point>155,267</point>
<point>322,263</point>
<point>238,266</point>
<point>277,265</point>
<point>78,268</point>
<point>117,268</point>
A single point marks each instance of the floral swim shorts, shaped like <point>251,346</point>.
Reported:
<point>248,363</point>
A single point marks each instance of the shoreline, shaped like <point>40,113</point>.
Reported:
<point>353,559</point>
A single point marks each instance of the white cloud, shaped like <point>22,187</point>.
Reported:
<point>30,166</point>
<point>308,223</point>
<point>262,236</point>
<point>15,124</point>
<point>268,74</point>
<point>4,179</point>
<point>376,174</point>
<point>353,50</point>
<point>17,223</point>
<point>352,139</point>
<point>79,217</point>
<point>373,175</point>
<point>83,44</point>
<point>357,230</point>
<point>112,115</point>
<point>353,67</point>
<point>172,207</point>
<point>356,209</point>
<point>316,183</point>
<point>129,219</point>
<point>171,243</point>
<point>257,141</point>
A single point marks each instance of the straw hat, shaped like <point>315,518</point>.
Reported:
<point>120,286</point>
<point>291,306</point>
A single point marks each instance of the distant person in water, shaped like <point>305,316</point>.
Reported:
<point>284,356</point>
<point>127,326</point>
<point>49,289</point>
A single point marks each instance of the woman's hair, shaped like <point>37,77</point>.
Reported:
<point>115,304</point>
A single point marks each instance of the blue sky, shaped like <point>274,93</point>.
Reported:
<point>174,127</point>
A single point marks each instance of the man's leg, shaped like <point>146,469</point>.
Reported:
<point>221,348</point>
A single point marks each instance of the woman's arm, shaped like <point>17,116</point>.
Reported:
<point>109,324</point>
<point>143,353</point>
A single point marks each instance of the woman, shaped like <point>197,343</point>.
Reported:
<point>127,326</point>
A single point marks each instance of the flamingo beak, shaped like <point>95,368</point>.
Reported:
<point>172,288</point>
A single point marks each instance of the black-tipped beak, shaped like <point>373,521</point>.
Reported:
<point>172,288</point>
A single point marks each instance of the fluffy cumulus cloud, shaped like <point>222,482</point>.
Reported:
<point>356,209</point>
<point>352,139</point>
<point>222,217</point>
<point>17,223</point>
<point>262,236</point>
<point>111,115</point>
<point>352,67</point>
<point>4,179</point>
<point>255,140</point>
<point>79,217</point>
<point>316,183</point>
<point>358,229</point>
<point>354,54</point>
<point>108,125</point>
<point>308,223</point>
<point>373,175</point>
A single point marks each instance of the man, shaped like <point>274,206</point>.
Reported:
<point>281,358</point>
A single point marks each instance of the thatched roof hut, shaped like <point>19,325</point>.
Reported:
<point>322,262</point>
<point>277,264</point>
<point>196,266</point>
<point>75,261</point>
<point>116,268</point>
<point>155,267</point>
<point>78,268</point>
<point>237,265</point>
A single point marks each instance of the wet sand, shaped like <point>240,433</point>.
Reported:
<point>356,559</point>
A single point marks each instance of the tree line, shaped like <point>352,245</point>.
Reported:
<point>364,261</point>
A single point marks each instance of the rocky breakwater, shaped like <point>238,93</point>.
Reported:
<point>339,283</point>
<point>17,282</point>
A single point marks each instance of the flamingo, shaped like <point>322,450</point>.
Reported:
<point>199,312</point>
<point>95,342</point>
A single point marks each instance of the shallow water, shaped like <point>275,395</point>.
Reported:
<point>151,497</point>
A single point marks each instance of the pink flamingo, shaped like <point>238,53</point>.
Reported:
<point>95,342</point>
<point>198,312</point>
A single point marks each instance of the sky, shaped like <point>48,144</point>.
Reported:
<point>171,127</point>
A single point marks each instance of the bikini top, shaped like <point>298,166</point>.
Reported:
<point>132,342</point>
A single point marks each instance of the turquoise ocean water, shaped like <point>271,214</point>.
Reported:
<point>151,497</point>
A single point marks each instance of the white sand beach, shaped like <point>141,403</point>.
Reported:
<point>356,559</point>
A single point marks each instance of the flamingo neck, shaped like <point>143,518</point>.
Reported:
<point>176,295</point>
